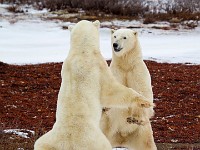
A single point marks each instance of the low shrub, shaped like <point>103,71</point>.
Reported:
<point>15,9</point>
<point>148,20</point>
<point>150,10</point>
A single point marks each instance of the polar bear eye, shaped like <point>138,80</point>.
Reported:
<point>124,37</point>
<point>114,36</point>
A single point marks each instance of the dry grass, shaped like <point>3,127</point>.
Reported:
<point>14,9</point>
<point>181,9</point>
<point>36,88</point>
<point>149,20</point>
<point>178,17</point>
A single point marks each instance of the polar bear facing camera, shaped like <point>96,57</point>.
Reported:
<point>87,85</point>
<point>132,128</point>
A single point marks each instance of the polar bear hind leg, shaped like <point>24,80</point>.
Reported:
<point>43,147</point>
<point>144,139</point>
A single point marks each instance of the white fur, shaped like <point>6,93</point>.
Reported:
<point>130,70</point>
<point>87,84</point>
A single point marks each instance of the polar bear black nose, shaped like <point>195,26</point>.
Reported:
<point>115,45</point>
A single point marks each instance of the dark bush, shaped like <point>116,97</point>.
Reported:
<point>149,20</point>
<point>15,9</point>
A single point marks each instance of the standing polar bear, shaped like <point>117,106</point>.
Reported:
<point>130,70</point>
<point>87,85</point>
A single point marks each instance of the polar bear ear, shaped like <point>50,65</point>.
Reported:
<point>135,33</point>
<point>97,23</point>
<point>112,31</point>
<point>70,27</point>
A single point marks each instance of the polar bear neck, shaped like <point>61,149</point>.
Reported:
<point>132,57</point>
<point>84,45</point>
<point>81,42</point>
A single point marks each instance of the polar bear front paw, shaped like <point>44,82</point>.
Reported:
<point>145,103</point>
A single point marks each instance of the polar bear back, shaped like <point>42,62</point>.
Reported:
<point>82,93</point>
<point>78,106</point>
<point>80,88</point>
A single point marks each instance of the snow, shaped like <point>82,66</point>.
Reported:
<point>19,132</point>
<point>31,40</point>
<point>172,48</point>
<point>39,42</point>
<point>174,141</point>
<point>121,23</point>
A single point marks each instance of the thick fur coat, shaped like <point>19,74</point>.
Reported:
<point>87,85</point>
<point>129,69</point>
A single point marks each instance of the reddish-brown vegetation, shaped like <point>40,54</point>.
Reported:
<point>28,96</point>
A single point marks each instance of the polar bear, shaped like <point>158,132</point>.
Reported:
<point>87,85</point>
<point>128,127</point>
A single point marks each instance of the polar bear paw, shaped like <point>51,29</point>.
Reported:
<point>145,103</point>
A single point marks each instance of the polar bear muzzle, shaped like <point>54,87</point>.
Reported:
<point>116,47</point>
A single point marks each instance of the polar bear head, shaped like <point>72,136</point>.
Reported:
<point>123,41</point>
<point>84,34</point>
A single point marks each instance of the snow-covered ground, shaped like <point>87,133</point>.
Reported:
<point>32,40</point>
<point>24,133</point>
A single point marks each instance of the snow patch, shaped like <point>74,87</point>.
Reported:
<point>174,140</point>
<point>20,132</point>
